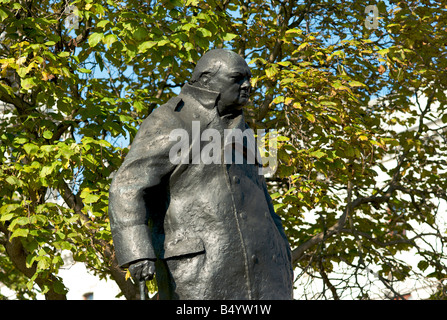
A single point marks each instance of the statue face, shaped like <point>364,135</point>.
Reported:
<point>232,81</point>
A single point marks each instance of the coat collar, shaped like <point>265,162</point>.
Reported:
<point>206,98</point>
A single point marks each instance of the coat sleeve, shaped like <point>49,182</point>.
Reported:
<point>277,219</point>
<point>144,167</point>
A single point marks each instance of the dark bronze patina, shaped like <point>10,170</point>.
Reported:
<point>207,231</point>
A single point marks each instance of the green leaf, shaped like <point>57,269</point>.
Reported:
<point>294,32</point>
<point>356,84</point>
<point>31,148</point>
<point>163,42</point>
<point>317,154</point>
<point>88,196</point>
<point>338,85</point>
<point>275,195</point>
<point>139,106</point>
<point>95,38</point>
<point>83,70</point>
<point>228,36</point>
<point>278,99</point>
<point>28,83</point>
<point>205,33</point>
<point>176,3</point>
<point>30,260</point>
<point>146,45</point>
<point>59,287</point>
<point>8,208</point>
<point>63,54</point>
<point>139,33</point>
<point>423,265</point>
<point>91,198</point>
<point>7,217</point>
<point>22,221</point>
<point>3,15</point>
<point>48,148</point>
<point>47,134</point>
<point>309,116</point>
<point>191,3</point>
<point>7,88</point>
<point>188,26</point>
<point>19,233</point>
<point>109,39</point>
<point>271,72</point>
<point>282,138</point>
<point>383,51</point>
<point>278,206</point>
<point>13,180</point>
<point>44,263</point>
<point>46,170</point>
<point>102,23</point>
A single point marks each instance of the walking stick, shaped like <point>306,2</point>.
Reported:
<point>143,288</point>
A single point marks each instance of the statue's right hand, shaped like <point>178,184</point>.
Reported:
<point>142,270</point>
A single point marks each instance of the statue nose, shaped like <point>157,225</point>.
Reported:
<point>246,85</point>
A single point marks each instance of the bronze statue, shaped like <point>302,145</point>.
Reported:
<point>206,230</point>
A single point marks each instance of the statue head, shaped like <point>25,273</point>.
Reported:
<point>227,73</point>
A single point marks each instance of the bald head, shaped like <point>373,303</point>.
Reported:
<point>226,72</point>
<point>213,61</point>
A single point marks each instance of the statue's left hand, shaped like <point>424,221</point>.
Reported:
<point>142,270</point>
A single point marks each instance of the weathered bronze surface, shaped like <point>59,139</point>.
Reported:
<point>206,230</point>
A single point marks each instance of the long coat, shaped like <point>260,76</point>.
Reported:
<point>210,227</point>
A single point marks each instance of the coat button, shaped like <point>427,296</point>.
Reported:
<point>254,258</point>
<point>243,215</point>
<point>236,180</point>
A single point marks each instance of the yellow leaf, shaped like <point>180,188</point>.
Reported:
<point>363,138</point>
<point>271,72</point>
<point>356,84</point>
<point>20,61</point>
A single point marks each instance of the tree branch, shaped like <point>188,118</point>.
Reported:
<point>299,251</point>
<point>17,253</point>
<point>327,281</point>
<point>74,201</point>
<point>338,226</point>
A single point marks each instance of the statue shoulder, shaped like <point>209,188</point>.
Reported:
<point>164,117</point>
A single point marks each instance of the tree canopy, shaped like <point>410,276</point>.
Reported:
<point>357,92</point>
